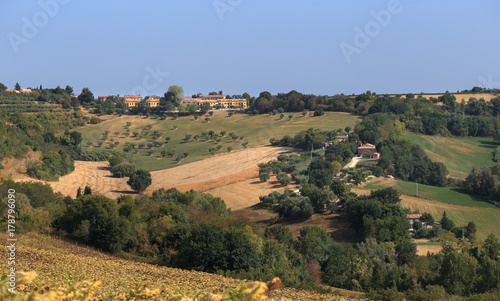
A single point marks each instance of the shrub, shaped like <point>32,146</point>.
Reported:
<point>139,180</point>
<point>124,169</point>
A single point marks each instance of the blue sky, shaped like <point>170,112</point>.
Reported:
<point>121,47</point>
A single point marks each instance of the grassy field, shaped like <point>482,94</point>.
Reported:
<point>441,194</point>
<point>254,130</point>
<point>435,200</point>
<point>59,263</point>
<point>458,154</point>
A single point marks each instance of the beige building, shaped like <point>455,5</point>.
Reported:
<point>132,101</point>
<point>153,101</point>
<point>218,101</point>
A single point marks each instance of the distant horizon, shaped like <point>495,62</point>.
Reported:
<point>76,92</point>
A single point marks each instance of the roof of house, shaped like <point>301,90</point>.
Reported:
<point>133,96</point>
<point>216,96</point>
<point>367,146</point>
<point>413,216</point>
<point>154,96</point>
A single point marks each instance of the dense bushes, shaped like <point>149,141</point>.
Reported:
<point>484,182</point>
<point>53,165</point>
<point>410,163</point>
<point>378,215</point>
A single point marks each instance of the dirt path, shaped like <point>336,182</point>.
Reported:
<point>202,175</point>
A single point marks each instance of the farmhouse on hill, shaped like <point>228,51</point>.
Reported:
<point>368,150</point>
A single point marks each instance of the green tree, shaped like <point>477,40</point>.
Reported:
<point>458,273</point>
<point>87,190</point>
<point>2,87</point>
<point>139,180</point>
<point>283,179</point>
<point>115,159</point>
<point>446,223</point>
<point>69,90</point>
<point>205,107</point>
<point>204,249</point>
<point>95,219</point>
<point>174,94</point>
<point>86,96</point>
<point>313,243</point>
<point>17,87</point>
<point>264,176</point>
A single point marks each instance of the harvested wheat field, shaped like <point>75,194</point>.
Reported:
<point>202,175</point>
<point>15,169</point>
<point>460,97</point>
<point>58,262</point>
<point>246,193</point>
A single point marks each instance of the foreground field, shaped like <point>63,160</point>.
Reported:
<point>458,154</point>
<point>58,262</point>
<point>213,172</point>
<point>254,130</point>
<point>461,211</point>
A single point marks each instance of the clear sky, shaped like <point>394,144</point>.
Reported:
<point>323,47</point>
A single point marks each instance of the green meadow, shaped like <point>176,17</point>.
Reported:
<point>458,154</point>
<point>250,130</point>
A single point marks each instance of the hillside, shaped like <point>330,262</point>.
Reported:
<point>253,130</point>
<point>460,207</point>
<point>458,154</point>
<point>58,262</point>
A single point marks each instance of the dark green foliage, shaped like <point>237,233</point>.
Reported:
<point>446,222</point>
<point>94,218</point>
<point>372,216</point>
<point>53,165</point>
<point>124,169</point>
<point>313,243</point>
<point>320,197</point>
<point>281,233</point>
<point>283,178</point>
<point>115,159</point>
<point>484,182</point>
<point>410,163</point>
<point>139,180</point>
<point>341,152</point>
<point>295,207</point>
<point>321,172</point>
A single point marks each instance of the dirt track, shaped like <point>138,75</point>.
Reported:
<point>203,175</point>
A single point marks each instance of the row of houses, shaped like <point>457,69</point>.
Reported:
<point>217,101</point>
<point>22,91</point>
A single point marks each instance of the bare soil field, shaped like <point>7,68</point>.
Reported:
<point>246,193</point>
<point>203,175</point>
